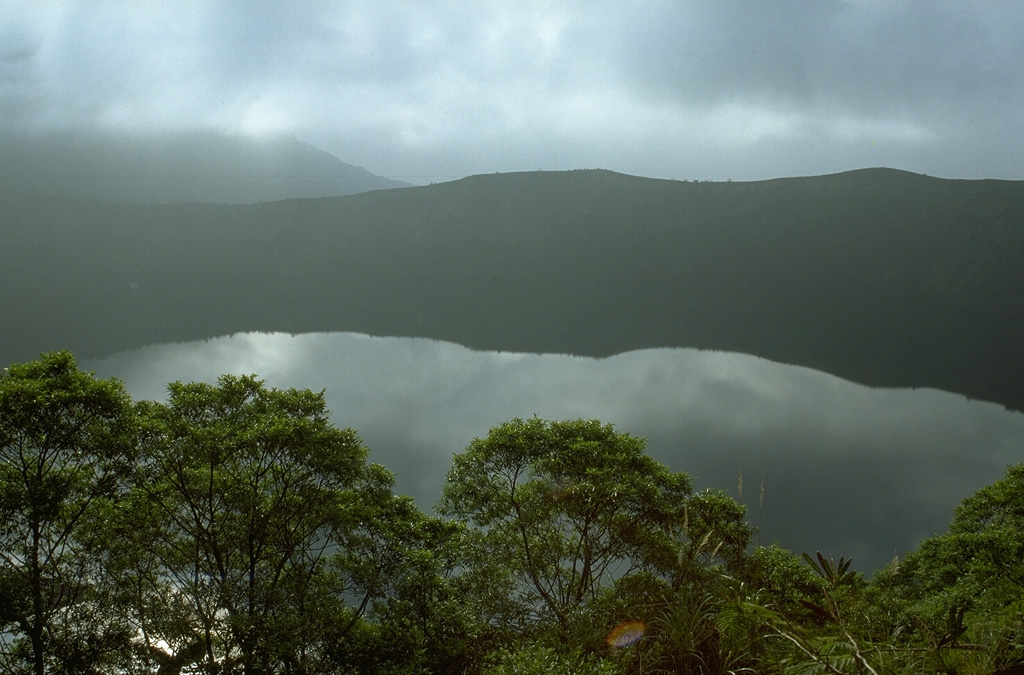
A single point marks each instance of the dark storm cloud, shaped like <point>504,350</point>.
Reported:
<point>846,469</point>
<point>437,89</point>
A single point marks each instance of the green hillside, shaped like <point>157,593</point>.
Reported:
<point>879,276</point>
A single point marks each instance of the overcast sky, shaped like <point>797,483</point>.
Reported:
<point>428,90</point>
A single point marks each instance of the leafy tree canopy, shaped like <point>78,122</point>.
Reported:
<point>64,444</point>
<point>570,506</point>
<point>235,529</point>
<point>979,561</point>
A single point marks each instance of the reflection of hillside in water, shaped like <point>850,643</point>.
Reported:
<point>879,276</point>
<point>846,469</point>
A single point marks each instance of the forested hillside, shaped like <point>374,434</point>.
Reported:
<point>878,276</point>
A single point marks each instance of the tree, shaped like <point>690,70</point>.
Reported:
<point>988,527</point>
<point>979,560</point>
<point>426,621</point>
<point>565,508</point>
<point>257,535</point>
<point>968,582</point>
<point>715,534</point>
<point>65,441</point>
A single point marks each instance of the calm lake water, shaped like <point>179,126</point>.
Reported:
<point>844,469</point>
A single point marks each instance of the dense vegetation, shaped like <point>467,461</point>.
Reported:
<point>878,276</point>
<point>234,529</point>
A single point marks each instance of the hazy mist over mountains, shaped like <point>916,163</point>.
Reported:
<point>181,167</point>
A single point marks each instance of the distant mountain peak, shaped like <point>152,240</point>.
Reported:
<point>161,168</point>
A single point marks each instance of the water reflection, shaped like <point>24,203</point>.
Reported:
<point>845,469</point>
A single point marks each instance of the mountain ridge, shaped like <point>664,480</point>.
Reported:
<point>195,167</point>
<point>882,277</point>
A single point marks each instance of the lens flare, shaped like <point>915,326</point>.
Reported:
<point>626,634</point>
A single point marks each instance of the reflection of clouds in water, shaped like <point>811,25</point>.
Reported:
<point>847,469</point>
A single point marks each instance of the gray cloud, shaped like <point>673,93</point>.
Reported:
<point>862,57</point>
<point>846,469</point>
<point>687,90</point>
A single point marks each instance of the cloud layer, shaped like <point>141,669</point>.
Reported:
<point>698,89</point>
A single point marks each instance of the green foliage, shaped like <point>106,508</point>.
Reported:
<point>566,507</point>
<point>234,529</point>
<point>64,445</point>
<point>538,659</point>
<point>248,490</point>
<point>429,621</point>
<point>836,577</point>
<point>782,578</point>
<point>963,591</point>
<point>713,534</point>
<point>257,537</point>
<point>697,632</point>
<point>987,529</point>
<point>979,560</point>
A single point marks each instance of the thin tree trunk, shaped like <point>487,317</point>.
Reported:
<point>35,624</point>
